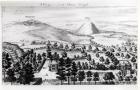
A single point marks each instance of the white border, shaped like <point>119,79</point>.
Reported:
<point>71,87</point>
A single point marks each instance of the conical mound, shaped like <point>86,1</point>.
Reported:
<point>88,28</point>
<point>94,29</point>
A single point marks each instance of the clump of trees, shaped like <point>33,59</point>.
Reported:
<point>11,75</point>
<point>89,76</point>
<point>61,70</point>
<point>108,77</point>
<point>67,70</point>
<point>96,77</point>
<point>26,74</point>
<point>21,71</point>
<point>6,63</point>
<point>81,76</point>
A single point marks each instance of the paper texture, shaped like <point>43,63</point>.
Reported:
<point>69,43</point>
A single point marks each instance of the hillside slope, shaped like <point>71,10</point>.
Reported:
<point>35,30</point>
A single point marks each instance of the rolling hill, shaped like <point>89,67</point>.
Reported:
<point>35,30</point>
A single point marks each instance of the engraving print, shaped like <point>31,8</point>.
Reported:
<point>70,43</point>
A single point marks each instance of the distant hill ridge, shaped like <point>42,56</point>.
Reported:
<point>49,32</point>
<point>88,28</point>
<point>32,22</point>
<point>37,30</point>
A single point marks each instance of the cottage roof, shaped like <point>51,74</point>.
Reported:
<point>53,62</point>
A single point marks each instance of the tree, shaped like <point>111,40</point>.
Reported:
<point>49,43</point>
<point>81,76</point>
<point>127,56</point>
<point>125,49</point>
<point>101,67</point>
<point>134,79</point>
<point>89,57</point>
<point>43,54</point>
<point>131,76</point>
<point>133,59</point>
<point>74,71</point>
<point>97,55</point>
<point>127,78</point>
<point>89,47</point>
<point>39,58</point>
<point>11,75</point>
<point>64,54</point>
<point>130,49</point>
<point>26,74</point>
<point>96,77</point>
<point>17,67</point>
<point>120,78</point>
<point>119,49</point>
<point>35,64</point>
<point>104,50</point>
<point>135,49</point>
<point>31,51</point>
<point>82,51</point>
<point>61,70</point>
<point>120,73</point>
<point>83,66</point>
<point>6,62</point>
<point>68,63</point>
<point>89,75</point>
<point>35,60</point>
<point>66,47</point>
<point>55,45</point>
<point>55,56</point>
<point>112,50</point>
<point>112,67</point>
<point>79,66</point>
<point>61,46</point>
<point>75,57</point>
<point>132,71</point>
<point>102,59</point>
<point>115,61</point>
<point>22,76</point>
<point>92,62</point>
<point>86,65</point>
<point>108,53</point>
<point>49,54</point>
<point>33,42</point>
<point>107,62</point>
<point>109,76</point>
<point>122,54</point>
<point>83,47</point>
<point>72,46</point>
<point>85,54</point>
<point>96,49</point>
<point>29,72</point>
<point>62,76</point>
<point>117,54</point>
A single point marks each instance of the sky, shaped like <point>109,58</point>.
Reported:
<point>53,12</point>
<point>90,2</point>
<point>113,15</point>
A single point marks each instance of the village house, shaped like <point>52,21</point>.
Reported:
<point>53,66</point>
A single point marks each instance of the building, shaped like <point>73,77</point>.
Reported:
<point>53,65</point>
